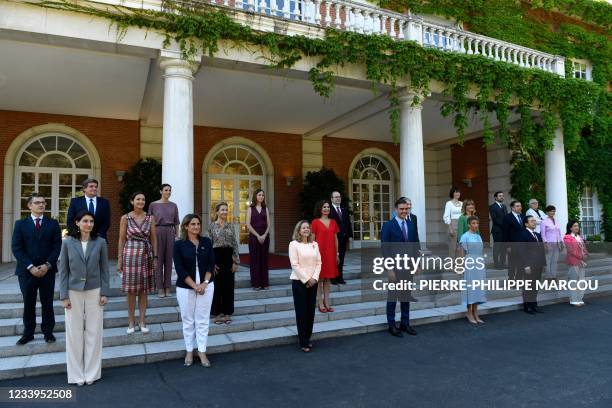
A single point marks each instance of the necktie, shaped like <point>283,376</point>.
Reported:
<point>38,225</point>
<point>518,218</point>
<point>91,206</point>
<point>404,231</point>
<point>339,211</point>
<point>534,235</point>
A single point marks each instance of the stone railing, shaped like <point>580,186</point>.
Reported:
<point>368,19</point>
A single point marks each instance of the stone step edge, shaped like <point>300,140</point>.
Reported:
<point>50,363</point>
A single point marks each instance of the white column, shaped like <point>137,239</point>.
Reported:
<point>556,182</point>
<point>412,162</point>
<point>177,142</point>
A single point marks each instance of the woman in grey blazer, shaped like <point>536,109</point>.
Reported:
<point>84,276</point>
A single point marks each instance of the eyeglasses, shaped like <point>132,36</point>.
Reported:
<point>39,202</point>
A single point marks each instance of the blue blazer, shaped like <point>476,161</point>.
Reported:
<point>36,248</point>
<point>103,213</point>
<point>185,260</point>
<point>532,252</point>
<point>512,229</point>
<point>391,232</point>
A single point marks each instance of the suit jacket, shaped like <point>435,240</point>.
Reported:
<point>185,259</point>
<point>532,251</point>
<point>103,213</point>
<point>392,233</point>
<point>77,268</point>
<point>36,248</point>
<point>512,229</point>
<point>344,222</point>
<point>497,217</point>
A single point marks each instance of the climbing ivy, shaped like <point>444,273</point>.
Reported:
<point>575,104</point>
<point>584,37</point>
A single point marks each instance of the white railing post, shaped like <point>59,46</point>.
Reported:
<point>559,66</point>
<point>415,31</point>
<point>337,21</point>
<point>327,16</point>
<point>392,32</point>
<point>400,24</point>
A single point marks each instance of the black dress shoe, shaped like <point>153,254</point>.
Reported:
<point>340,281</point>
<point>24,340</point>
<point>529,311</point>
<point>535,309</point>
<point>408,330</point>
<point>50,338</point>
<point>394,331</point>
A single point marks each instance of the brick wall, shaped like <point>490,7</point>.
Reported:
<point>338,154</point>
<point>470,161</point>
<point>285,151</point>
<point>103,133</point>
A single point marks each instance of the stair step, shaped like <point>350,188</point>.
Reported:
<point>153,351</point>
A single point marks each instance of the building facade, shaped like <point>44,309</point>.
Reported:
<point>78,99</point>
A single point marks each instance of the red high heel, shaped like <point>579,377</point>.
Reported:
<point>330,309</point>
<point>323,309</point>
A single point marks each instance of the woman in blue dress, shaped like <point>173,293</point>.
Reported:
<point>472,246</point>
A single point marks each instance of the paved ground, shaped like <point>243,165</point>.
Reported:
<point>562,358</point>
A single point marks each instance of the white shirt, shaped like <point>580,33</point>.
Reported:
<point>452,211</point>
<point>538,215</point>
<point>36,218</point>
<point>95,202</point>
<point>533,233</point>
<point>84,245</point>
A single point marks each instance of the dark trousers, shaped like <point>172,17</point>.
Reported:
<point>499,252</point>
<point>341,253</point>
<point>31,286</point>
<point>514,263</point>
<point>530,297</point>
<point>223,297</point>
<point>405,311</point>
<point>304,301</point>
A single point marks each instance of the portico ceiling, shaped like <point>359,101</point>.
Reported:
<point>84,82</point>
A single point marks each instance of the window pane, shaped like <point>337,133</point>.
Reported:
<point>26,190</point>
<point>27,178</point>
<point>44,178</point>
<point>63,144</point>
<point>257,170</point>
<point>46,192</point>
<point>49,143</point>
<point>65,179</point>
<point>27,160</point>
<point>82,163</point>
<point>76,151</point>
<point>215,168</point>
<point>36,149</point>
<point>55,160</point>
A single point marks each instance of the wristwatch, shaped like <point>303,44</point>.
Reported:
<point>206,281</point>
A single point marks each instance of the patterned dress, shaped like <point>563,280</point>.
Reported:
<point>138,266</point>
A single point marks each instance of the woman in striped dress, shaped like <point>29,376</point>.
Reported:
<point>137,258</point>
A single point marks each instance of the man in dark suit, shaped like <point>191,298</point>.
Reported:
<point>341,216</point>
<point>498,211</point>
<point>98,206</point>
<point>512,229</point>
<point>37,241</point>
<point>533,261</point>
<point>400,236</point>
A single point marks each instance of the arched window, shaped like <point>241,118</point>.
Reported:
<point>53,165</point>
<point>234,173</point>
<point>372,192</point>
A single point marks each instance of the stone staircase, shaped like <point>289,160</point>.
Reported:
<point>261,319</point>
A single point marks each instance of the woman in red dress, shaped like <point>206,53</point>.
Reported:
<point>325,229</point>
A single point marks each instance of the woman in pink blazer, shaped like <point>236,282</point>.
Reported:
<point>305,268</point>
<point>575,259</point>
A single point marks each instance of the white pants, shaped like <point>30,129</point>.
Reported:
<point>576,272</point>
<point>84,336</point>
<point>195,313</point>
<point>552,257</point>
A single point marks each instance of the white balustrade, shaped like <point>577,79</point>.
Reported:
<point>364,18</point>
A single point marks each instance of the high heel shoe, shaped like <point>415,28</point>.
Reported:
<point>188,360</point>
<point>330,309</point>
<point>130,330</point>
<point>144,329</point>
<point>204,360</point>
<point>323,309</point>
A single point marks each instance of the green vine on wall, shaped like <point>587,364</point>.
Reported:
<point>575,103</point>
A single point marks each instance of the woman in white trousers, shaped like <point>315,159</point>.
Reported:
<point>84,276</point>
<point>194,264</point>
